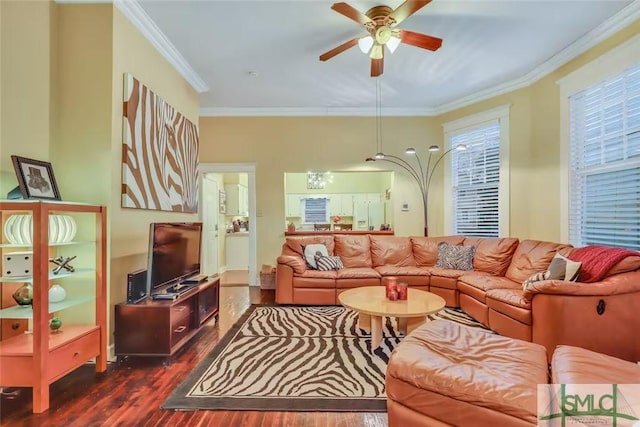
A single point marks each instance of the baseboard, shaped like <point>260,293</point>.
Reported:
<point>111,353</point>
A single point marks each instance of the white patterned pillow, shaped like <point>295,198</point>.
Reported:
<point>326,263</point>
<point>313,250</point>
<point>453,257</point>
<point>536,277</point>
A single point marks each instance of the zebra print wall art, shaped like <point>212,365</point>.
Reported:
<point>159,153</point>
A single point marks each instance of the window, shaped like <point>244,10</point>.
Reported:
<point>604,182</point>
<point>315,211</point>
<point>477,192</point>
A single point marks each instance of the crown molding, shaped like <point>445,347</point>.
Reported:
<point>134,12</point>
<point>608,28</point>
<point>312,111</point>
<point>139,18</point>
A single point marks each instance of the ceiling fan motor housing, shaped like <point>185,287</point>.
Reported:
<point>380,27</point>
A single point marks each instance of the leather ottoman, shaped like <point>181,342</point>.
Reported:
<point>575,365</point>
<point>444,373</point>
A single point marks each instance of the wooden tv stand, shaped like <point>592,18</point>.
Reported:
<point>162,327</point>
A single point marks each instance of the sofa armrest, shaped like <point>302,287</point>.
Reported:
<point>618,284</point>
<point>296,263</point>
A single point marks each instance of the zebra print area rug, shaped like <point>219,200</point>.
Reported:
<point>294,358</point>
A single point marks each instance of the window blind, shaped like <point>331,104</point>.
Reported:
<point>475,181</point>
<point>604,205</point>
<point>316,211</point>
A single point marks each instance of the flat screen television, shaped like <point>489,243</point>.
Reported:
<point>174,253</point>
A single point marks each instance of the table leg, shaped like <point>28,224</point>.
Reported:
<point>414,322</point>
<point>364,321</point>
<point>376,332</point>
<point>402,325</point>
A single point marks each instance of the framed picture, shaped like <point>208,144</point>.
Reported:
<point>35,179</point>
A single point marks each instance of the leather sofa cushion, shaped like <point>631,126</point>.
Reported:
<point>448,279</point>
<point>532,256</point>
<point>298,243</point>
<point>391,250</point>
<point>510,303</point>
<point>471,365</point>
<point>357,273</point>
<point>354,250</point>
<point>476,286</point>
<point>492,256</point>
<point>318,274</point>
<point>425,249</point>
<point>314,282</point>
<point>508,296</point>
<point>576,365</point>
<point>392,270</point>
<point>489,282</point>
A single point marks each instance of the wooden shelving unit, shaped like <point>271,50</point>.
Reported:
<point>31,355</point>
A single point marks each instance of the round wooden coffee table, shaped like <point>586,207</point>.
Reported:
<point>372,305</point>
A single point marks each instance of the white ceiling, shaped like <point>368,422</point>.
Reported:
<point>488,47</point>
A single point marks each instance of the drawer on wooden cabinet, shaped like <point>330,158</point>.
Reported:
<point>179,330</point>
<point>69,356</point>
<point>178,311</point>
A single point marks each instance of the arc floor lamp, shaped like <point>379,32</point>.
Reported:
<point>421,175</point>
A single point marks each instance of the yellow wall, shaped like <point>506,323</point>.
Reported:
<point>130,227</point>
<point>297,144</point>
<point>26,85</point>
<point>62,95</point>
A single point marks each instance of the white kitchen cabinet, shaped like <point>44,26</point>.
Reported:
<point>237,199</point>
<point>237,251</point>
<point>293,205</point>
<point>341,204</point>
<point>346,203</point>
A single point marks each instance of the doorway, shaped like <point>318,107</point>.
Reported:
<point>218,170</point>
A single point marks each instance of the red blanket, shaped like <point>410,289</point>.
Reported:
<point>598,260</point>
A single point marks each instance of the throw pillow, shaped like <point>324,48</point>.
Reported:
<point>562,268</point>
<point>536,277</point>
<point>454,257</point>
<point>326,263</point>
<point>310,252</point>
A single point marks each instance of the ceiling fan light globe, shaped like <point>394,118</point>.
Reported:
<point>365,44</point>
<point>393,44</point>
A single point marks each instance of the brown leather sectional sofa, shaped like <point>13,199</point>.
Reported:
<point>601,316</point>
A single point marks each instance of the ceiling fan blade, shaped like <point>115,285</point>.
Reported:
<point>420,40</point>
<point>336,50</point>
<point>351,13</point>
<point>377,67</point>
<point>407,9</point>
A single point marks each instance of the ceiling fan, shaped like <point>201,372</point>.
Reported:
<point>380,23</point>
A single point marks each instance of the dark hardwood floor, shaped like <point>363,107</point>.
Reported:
<point>130,392</point>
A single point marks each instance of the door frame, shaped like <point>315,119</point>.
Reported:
<point>250,170</point>
<point>208,184</point>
